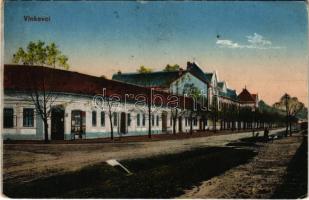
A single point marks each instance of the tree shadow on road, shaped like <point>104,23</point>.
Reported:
<point>163,176</point>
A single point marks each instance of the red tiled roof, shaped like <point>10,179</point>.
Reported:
<point>246,96</point>
<point>26,78</point>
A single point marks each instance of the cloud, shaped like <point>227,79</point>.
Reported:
<point>255,41</point>
<point>258,40</point>
<point>228,44</point>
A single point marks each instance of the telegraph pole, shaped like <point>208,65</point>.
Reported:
<point>287,114</point>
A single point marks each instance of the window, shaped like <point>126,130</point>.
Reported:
<point>129,119</point>
<point>144,119</point>
<point>102,118</point>
<point>8,119</point>
<point>152,120</point>
<point>94,118</point>
<point>186,121</point>
<point>28,117</point>
<point>171,120</point>
<point>138,120</point>
<point>115,118</point>
<point>157,120</point>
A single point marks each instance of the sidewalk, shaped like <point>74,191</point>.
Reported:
<point>144,138</point>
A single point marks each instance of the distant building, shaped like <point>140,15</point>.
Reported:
<point>179,82</point>
<point>245,98</point>
<point>226,96</point>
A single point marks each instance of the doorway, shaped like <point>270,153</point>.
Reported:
<point>180,124</point>
<point>123,123</point>
<point>164,122</point>
<point>57,123</point>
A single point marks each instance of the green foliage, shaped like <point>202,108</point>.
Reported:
<point>290,105</point>
<point>191,91</point>
<point>144,70</point>
<point>171,68</point>
<point>38,53</point>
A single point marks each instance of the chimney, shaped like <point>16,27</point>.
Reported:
<point>189,65</point>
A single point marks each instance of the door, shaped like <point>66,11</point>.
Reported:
<point>201,124</point>
<point>164,122</point>
<point>57,124</point>
<point>123,123</point>
<point>180,124</point>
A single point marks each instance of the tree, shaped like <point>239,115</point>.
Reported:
<point>176,111</point>
<point>144,70</point>
<point>214,112</point>
<point>192,91</point>
<point>40,92</point>
<point>171,68</point>
<point>37,53</point>
<point>292,107</point>
<point>110,103</point>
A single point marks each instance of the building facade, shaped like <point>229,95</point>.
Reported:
<point>79,108</point>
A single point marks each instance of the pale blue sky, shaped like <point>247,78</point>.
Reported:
<point>104,37</point>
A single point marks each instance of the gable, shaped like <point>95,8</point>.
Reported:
<point>188,80</point>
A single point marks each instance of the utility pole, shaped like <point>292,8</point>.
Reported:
<point>287,113</point>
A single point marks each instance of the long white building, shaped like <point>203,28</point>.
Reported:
<point>74,102</point>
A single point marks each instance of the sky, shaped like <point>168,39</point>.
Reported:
<point>258,45</point>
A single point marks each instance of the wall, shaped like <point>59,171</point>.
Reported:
<point>71,102</point>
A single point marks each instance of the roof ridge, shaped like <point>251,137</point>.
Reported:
<point>155,72</point>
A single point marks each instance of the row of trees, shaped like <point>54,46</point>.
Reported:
<point>168,68</point>
<point>236,117</point>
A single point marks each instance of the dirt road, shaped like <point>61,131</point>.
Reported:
<point>256,179</point>
<point>25,162</point>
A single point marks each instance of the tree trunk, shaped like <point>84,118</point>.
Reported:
<point>111,124</point>
<point>191,123</point>
<point>45,130</point>
<point>215,125</point>
<point>287,128</point>
<point>174,121</point>
<point>149,120</point>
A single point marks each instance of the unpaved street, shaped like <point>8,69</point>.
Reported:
<point>256,179</point>
<point>25,162</point>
